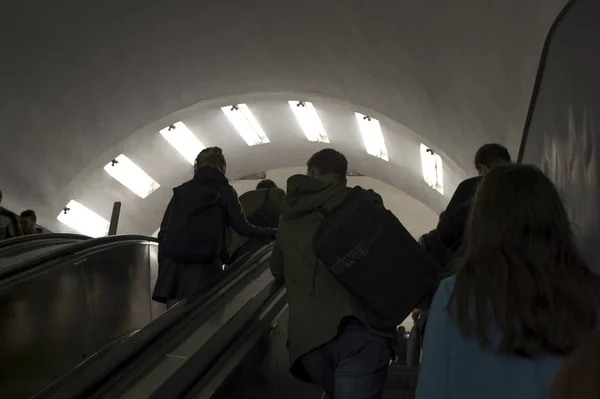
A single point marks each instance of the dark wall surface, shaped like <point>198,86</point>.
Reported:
<point>563,134</point>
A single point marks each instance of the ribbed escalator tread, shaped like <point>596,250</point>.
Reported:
<point>401,382</point>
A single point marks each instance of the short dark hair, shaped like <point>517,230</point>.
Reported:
<point>211,157</point>
<point>521,268</point>
<point>266,183</point>
<point>29,214</point>
<point>329,162</point>
<point>490,155</point>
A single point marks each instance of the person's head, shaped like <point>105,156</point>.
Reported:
<point>489,156</point>
<point>28,221</point>
<point>415,314</point>
<point>328,165</point>
<point>266,183</point>
<point>520,262</point>
<point>578,377</point>
<point>211,157</point>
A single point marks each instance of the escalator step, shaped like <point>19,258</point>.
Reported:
<point>398,394</point>
<point>402,377</point>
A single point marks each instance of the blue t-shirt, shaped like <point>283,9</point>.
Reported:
<point>455,367</point>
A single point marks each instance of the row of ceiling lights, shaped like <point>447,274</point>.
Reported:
<point>125,171</point>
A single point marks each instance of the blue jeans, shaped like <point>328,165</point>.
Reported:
<point>353,365</point>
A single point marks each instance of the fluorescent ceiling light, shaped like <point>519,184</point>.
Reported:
<point>433,171</point>
<point>83,220</point>
<point>246,124</point>
<point>309,120</point>
<point>372,136</point>
<point>126,172</point>
<point>183,140</point>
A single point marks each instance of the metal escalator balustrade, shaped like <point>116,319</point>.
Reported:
<point>7,243</point>
<point>64,306</point>
<point>23,248</point>
<point>144,355</point>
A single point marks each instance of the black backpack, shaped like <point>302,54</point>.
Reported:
<point>375,258</point>
<point>195,230</point>
<point>266,215</point>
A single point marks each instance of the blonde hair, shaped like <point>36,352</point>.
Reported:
<point>210,157</point>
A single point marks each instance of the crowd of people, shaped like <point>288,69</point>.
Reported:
<point>13,225</point>
<point>513,299</point>
<point>512,311</point>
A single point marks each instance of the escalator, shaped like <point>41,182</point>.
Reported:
<point>200,348</point>
<point>168,356</point>
<point>22,248</point>
<point>70,301</point>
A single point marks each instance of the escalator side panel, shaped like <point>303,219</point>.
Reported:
<point>55,320</point>
<point>118,291</point>
<point>42,334</point>
<point>157,308</point>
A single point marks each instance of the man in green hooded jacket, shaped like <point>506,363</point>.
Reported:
<point>328,343</point>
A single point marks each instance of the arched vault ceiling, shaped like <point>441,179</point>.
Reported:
<point>82,81</point>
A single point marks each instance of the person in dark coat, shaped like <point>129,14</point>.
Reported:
<point>445,240</point>
<point>451,226</point>
<point>330,343</point>
<point>207,189</point>
<point>262,206</point>
<point>29,223</point>
<point>10,225</point>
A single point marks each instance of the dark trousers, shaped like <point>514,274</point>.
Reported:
<point>353,365</point>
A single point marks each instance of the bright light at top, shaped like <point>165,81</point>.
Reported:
<point>83,220</point>
<point>246,124</point>
<point>183,140</point>
<point>309,120</point>
<point>433,171</point>
<point>370,130</point>
<point>126,172</point>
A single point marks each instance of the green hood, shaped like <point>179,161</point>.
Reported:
<point>305,194</point>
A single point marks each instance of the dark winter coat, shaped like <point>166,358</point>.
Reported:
<point>251,202</point>
<point>176,280</point>
<point>317,302</point>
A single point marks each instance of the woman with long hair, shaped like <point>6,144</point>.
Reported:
<point>193,234</point>
<point>521,300</point>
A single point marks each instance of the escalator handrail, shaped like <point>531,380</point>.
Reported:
<point>190,373</point>
<point>87,377</point>
<point>46,236</point>
<point>29,264</point>
<point>23,247</point>
<point>232,351</point>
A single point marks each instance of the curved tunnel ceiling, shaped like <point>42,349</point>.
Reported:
<point>86,82</point>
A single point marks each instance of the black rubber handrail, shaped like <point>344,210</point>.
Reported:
<point>34,237</point>
<point>232,352</point>
<point>203,364</point>
<point>31,264</point>
<point>150,342</point>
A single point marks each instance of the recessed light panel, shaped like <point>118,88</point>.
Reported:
<point>246,124</point>
<point>83,220</point>
<point>309,121</point>
<point>370,129</point>
<point>126,172</point>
